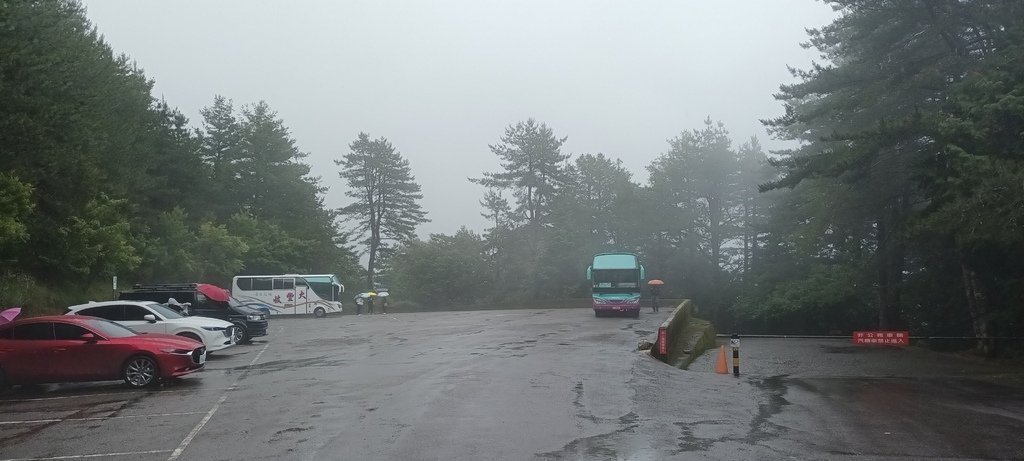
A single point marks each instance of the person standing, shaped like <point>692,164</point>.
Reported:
<point>360,300</point>
<point>369,304</point>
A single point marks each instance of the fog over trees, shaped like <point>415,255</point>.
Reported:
<point>899,206</point>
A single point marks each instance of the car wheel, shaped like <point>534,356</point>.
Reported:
<point>3,380</point>
<point>238,334</point>
<point>636,314</point>
<point>141,371</point>
<point>597,314</point>
<point>319,313</point>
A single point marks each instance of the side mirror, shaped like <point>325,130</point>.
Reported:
<point>589,275</point>
<point>643,273</point>
<point>88,337</point>
<point>149,318</point>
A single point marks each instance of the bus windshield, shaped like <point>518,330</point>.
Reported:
<point>616,279</point>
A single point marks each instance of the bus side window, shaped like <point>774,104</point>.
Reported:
<point>263,284</point>
<point>245,283</point>
<point>284,284</point>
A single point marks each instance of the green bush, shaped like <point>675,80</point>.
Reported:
<point>35,299</point>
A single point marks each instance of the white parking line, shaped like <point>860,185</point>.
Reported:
<point>96,418</point>
<point>41,399</point>
<point>97,455</point>
<point>209,415</point>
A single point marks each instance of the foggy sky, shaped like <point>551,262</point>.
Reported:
<point>442,79</point>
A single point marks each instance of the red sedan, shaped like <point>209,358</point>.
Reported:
<point>62,348</point>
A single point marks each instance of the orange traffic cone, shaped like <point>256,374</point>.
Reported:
<point>722,367</point>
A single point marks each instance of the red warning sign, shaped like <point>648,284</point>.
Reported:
<point>882,338</point>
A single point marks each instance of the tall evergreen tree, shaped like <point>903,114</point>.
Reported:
<point>753,170</point>
<point>871,122</point>
<point>533,167</point>
<point>599,184</point>
<point>221,142</point>
<point>496,210</point>
<point>72,126</point>
<point>386,209</point>
<point>698,175</point>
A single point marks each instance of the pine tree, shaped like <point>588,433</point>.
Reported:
<point>533,168</point>
<point>874,146</point>
<point>386,209</point>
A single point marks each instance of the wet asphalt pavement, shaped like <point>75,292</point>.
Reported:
<point>526,384</point>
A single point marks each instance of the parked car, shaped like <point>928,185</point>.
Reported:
<point>206,301</point>
<point>150,317</point>
<point>64,348</point>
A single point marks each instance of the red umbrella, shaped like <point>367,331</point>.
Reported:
<point>655,282</point>
<point>213,292</point>
<point>8,315</point>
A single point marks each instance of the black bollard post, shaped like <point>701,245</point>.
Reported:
<point>734,341</point>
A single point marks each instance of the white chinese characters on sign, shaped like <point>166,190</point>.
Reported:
<point>891,338</point>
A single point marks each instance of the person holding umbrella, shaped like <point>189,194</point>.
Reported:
<point>655,286</point>
<point>359,303</point>
<point>360,300</point>
<point>369,302</point>
<point>364,299</point>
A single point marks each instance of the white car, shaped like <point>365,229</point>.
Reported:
<point>150,317</point>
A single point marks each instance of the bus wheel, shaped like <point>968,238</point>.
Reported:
<point>319,313</point>
<point>597,313</point>
<point>636,314</point>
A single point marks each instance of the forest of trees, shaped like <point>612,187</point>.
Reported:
<point>900,206</point>
<point>99,178</point>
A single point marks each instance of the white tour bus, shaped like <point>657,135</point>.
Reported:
<point>317,294</point>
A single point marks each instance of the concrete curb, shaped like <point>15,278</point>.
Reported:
<point>682,337</point>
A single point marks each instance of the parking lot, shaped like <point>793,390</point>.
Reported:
<point>320,389</point>
<point>525,384</point>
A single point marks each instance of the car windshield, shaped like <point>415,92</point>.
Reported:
<point>109,329</point>
<point>165,311</point>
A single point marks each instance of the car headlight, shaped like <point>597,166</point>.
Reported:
<point>633,301</point>
<point>254,317</point>
<point>214,328</point>
<point>178,351</point>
